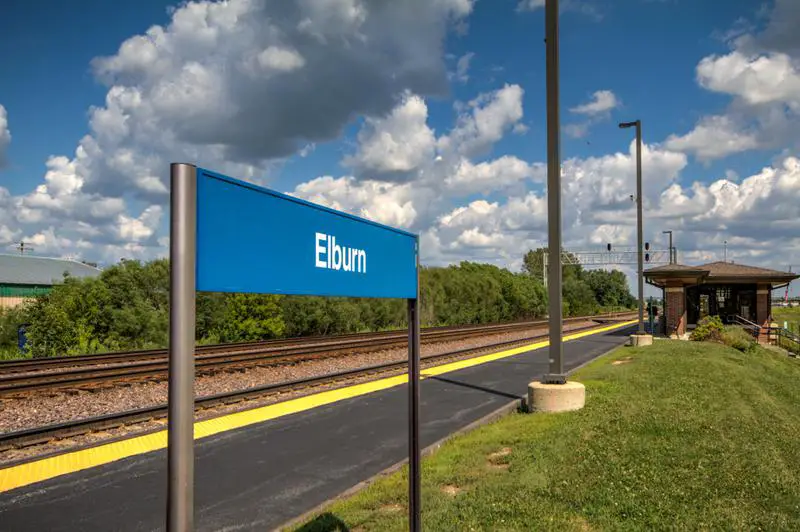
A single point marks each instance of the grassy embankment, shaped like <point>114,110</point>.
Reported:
<point>791,315</point>
<point>681,435</point>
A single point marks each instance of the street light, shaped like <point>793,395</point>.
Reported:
<point>638,125</point>
<point>671,261</point>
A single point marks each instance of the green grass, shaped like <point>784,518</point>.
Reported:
<point>681,435</point>
<point>791,316</point>
<point>11,353</point>
<point>788,314</point>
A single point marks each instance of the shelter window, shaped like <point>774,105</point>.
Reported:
<point>723,294</point>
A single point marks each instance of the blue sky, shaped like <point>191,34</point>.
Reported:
<point>664,39</point>
<point>374,99</point>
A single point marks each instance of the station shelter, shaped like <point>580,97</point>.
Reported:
<point>731,291</point>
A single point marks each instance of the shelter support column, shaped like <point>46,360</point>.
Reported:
<point>763,309</point>
<point>676,310</point>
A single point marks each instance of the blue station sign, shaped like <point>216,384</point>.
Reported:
<point>254,240</point>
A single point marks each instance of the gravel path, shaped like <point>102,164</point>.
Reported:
<point>46,408</point>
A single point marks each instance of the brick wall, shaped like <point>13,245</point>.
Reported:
<point>676,310</point>
<point>763,309</point>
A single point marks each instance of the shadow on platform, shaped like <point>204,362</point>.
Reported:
<point>476,387</point>
<point>625,331</point>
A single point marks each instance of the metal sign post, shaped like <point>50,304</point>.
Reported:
<point>275,244</point>
<point>414,453</point>
<point>180,440</point>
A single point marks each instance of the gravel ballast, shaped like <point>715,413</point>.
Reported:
<point>45,408</point>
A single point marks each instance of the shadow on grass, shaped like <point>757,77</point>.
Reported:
<point>326,522</point>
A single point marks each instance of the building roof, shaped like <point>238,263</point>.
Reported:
<point>678,268</point>
<point>730,269</point>
<point>717,272</point>
<point>42,271</point>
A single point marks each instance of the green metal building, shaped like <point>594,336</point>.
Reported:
<point>23,276</point>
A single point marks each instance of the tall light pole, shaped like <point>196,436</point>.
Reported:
<point>638,125</point>
<point>725,256</point>
<point>671,260</point>
<point>556,375</point>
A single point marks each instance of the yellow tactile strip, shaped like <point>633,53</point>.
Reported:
<point>70,462</point>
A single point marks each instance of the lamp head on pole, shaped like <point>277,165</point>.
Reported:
<point>625,125</point>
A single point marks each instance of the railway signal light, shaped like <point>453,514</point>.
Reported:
<point>647,246</point>
<point>608,246</point>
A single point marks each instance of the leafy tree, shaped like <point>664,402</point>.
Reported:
<point>127,307</point>
<point>10,320</point>
<point>250,317</point>
<point>533,261</point>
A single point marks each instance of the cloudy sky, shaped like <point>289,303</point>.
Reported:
<point>423,114</point>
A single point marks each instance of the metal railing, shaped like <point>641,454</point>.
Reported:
<point>779,336</point>
<point>753,328</point>
<point>786,339</point>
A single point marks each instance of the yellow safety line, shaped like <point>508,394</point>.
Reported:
<point>70,462</point>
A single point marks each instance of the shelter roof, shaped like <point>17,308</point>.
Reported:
<point>716,272</point>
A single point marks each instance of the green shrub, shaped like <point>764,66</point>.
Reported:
<point>709,329</point>
<point>10,320</point>
<point>737,338</point>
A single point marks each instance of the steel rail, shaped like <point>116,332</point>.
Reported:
<point>82,377</point>
<point>36,364</point>
<point>39,435</point>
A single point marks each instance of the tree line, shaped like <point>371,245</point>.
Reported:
<point>127,307</point>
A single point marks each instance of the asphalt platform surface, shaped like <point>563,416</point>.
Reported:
<point>261,476</point>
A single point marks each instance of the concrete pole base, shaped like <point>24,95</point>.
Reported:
<point>641,340</point>
<point>556,397</point>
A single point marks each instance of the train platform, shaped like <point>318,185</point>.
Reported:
<point>261,473</point>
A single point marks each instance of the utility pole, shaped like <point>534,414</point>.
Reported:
<point>671,258</point>
<point>638,125</point>
<point>554,393</point>
<point>556,375</point>
<point>725,256</point>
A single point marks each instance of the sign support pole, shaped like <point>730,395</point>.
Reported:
<point>414,457</point>
<point>180,431</point>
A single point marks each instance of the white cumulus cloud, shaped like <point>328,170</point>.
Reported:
<point>281,59</point>
<point>487,119</point>
<point>713,137</point>
<point>602,102</point>
<point>388,203</point>
<point>397,143</point>
<point>756,79</point>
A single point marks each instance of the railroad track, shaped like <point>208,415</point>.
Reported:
<point>40,435</point>
<point>89,371</point>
